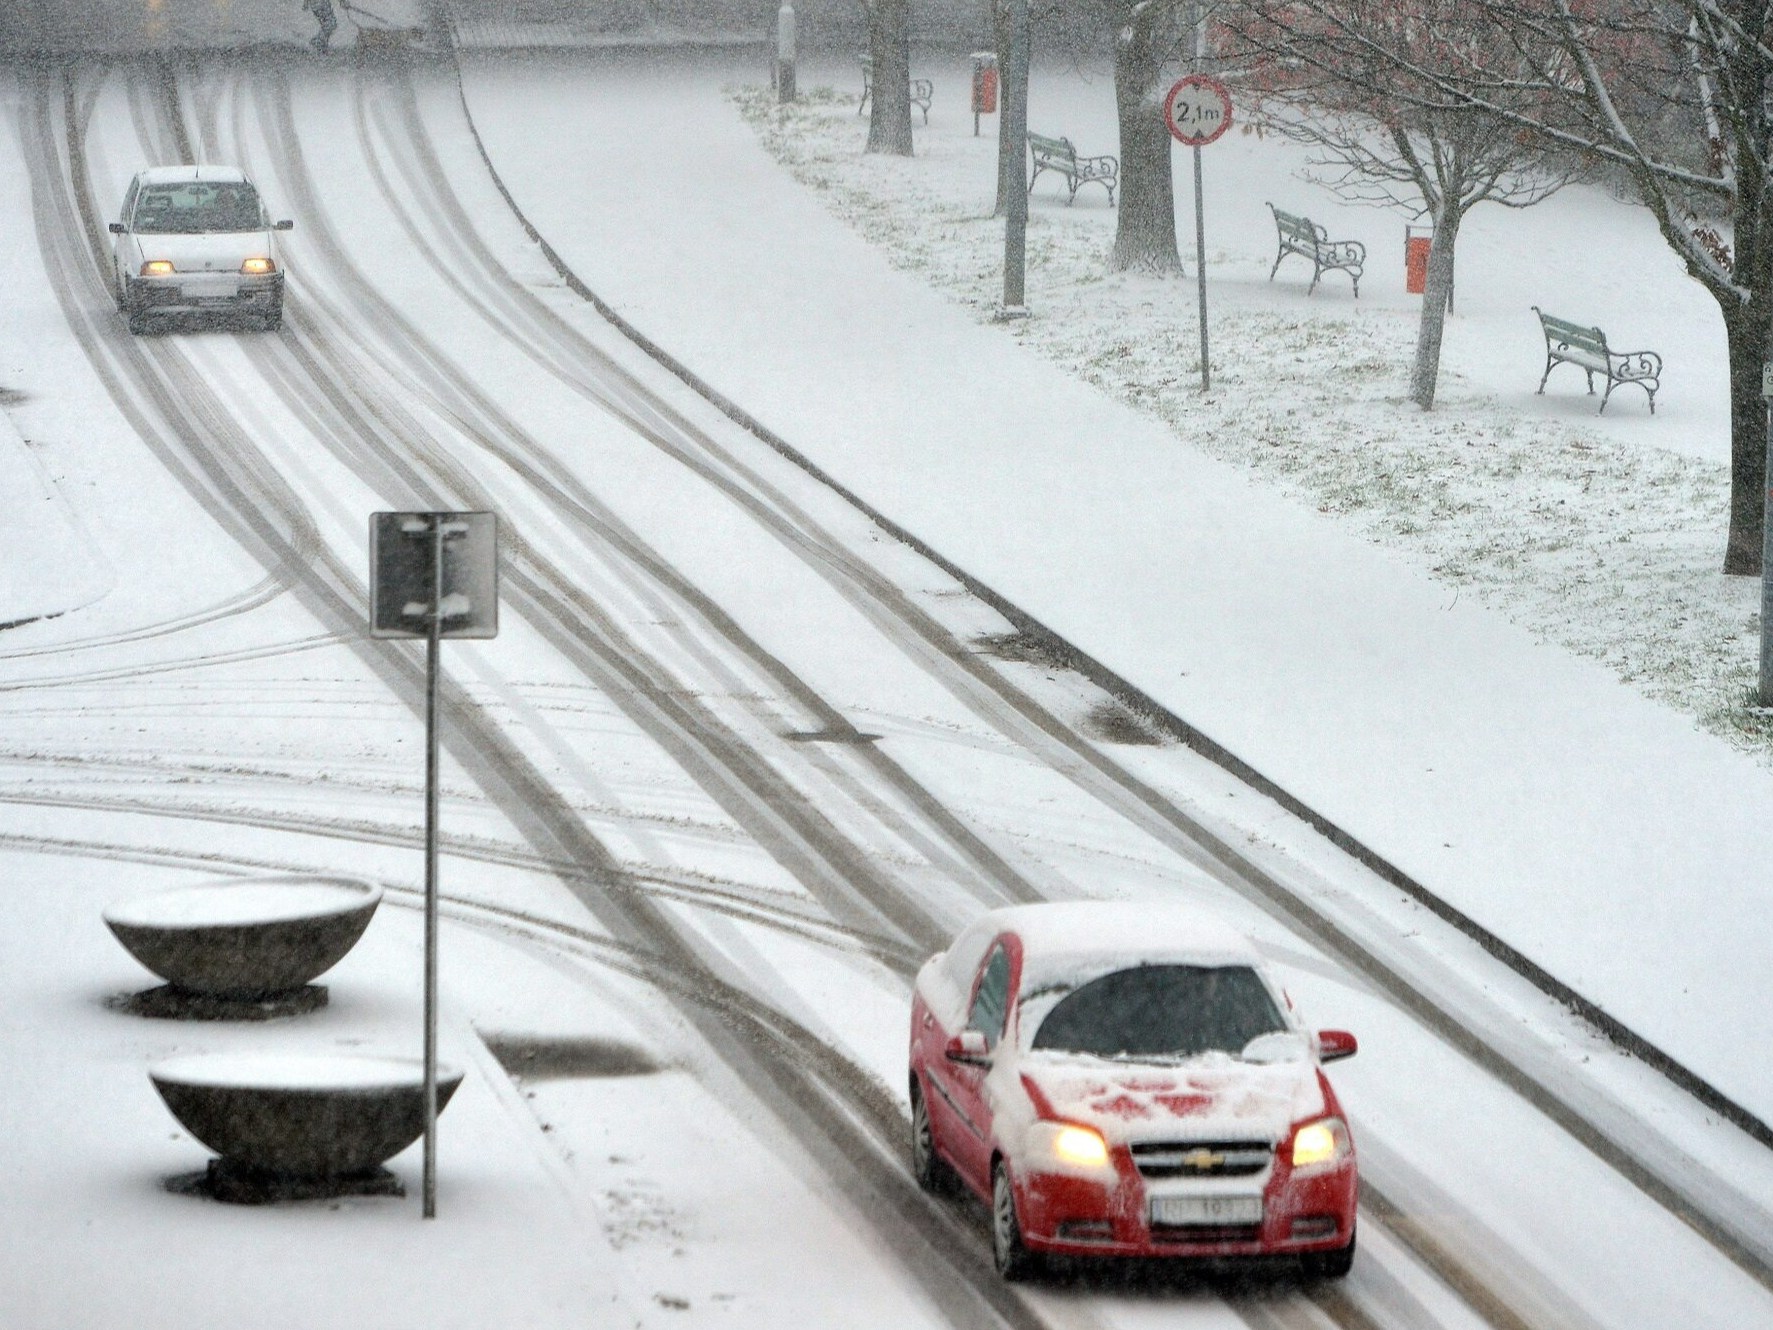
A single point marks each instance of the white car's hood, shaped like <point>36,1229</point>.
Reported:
<point>220,252</point>
<point>1214,1097</point>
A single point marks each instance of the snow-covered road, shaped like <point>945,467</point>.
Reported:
<point>736,763</point>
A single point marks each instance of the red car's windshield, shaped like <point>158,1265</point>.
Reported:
<point>1162,1011</point>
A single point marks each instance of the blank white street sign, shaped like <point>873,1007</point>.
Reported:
<point>400,585</point>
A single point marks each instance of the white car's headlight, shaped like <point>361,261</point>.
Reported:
<point>1320,1143</point>
<point>1067,1145</point>
<point>258,267</point>
<point>157,268</point>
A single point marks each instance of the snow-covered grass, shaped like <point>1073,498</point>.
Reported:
<point>1607,545</point>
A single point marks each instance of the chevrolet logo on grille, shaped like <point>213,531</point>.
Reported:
<point>1203,1159</point>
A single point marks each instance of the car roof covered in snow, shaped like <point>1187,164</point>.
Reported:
<point>175,175</point>
<point>1075,938</point>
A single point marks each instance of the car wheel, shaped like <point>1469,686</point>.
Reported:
<point>1328,1264</point>
<point>929,1168</point>
<point>1014,1261</point>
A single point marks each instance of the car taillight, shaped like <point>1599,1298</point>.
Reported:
<point>157,268</point>
<point>258,267</point>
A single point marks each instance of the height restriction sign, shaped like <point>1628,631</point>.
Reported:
<point>1198,110</point>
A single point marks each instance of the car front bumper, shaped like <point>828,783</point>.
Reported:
<point>204,292</point>
<point>1074,1216</point>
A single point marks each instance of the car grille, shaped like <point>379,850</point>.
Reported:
<point>1199,1233</point>
<point>1201,1159</point>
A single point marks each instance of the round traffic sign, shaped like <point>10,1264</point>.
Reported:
<point>1197,110</point>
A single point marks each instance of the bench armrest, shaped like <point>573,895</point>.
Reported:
<point>1634,364</point>
<point>1339,253</point>
<point>1099,168</point>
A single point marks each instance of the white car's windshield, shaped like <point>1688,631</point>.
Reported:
<point>198,207</point>
<point>1162,1012</point>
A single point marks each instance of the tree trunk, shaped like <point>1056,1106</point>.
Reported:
<point>1015,116</point>
<point>1436,290</point>
<point>1746,330</point>
<point>889,46</point>
<point>1012,155</point>
<point>1145,234</point>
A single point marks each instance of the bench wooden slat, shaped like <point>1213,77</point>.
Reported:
<point>1586,348</point>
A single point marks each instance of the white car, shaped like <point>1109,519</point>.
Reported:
<point>196,240</point>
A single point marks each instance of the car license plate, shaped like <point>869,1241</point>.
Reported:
<point>1178,1211</point>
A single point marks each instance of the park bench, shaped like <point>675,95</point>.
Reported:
<point>1058,155</point>
<point>1302,236</point>
<point>1587,349</point>
<point>922,90</point>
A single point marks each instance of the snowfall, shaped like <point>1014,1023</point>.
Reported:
<point>1490,643</point>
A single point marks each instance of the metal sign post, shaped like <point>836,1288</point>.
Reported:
<point>1198,110</point>
<point>433,575</point>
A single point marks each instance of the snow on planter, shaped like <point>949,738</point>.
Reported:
<point>301,1115</point>
<point>246,938</point>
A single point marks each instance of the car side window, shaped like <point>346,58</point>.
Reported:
<point>992,999</point>
<point>129,201</point>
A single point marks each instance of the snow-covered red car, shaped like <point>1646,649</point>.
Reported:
<point>1128,1080</point>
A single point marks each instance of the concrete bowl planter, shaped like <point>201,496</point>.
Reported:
<point>246,938</point>
<point>312,1116</point>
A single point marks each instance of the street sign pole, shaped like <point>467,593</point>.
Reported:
<point>433,575</point>
<point>1200,271</point>
<point>1198,110</point>
<point>433,649</point>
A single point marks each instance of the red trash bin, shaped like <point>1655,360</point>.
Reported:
<point>1416,263</point>
<point>985,89</point>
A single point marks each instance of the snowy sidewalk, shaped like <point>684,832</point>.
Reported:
<point>94,1240</point>
<point>1602,835</point>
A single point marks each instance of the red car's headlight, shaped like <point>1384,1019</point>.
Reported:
<point>1067,1145</point>
<point>1320,1143</point>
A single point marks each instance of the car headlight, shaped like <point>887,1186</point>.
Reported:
<point>1324,1141</point>
<point>157,268</point>
<point>1068,1145</point>
<point>258,267</point>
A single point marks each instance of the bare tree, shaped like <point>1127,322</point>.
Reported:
<point>1148,37</point>
<point>1379,137</point>
<point>1674,96</point>
<point>889,52</point>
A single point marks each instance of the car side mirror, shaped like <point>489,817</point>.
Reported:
<point>969,1047</point>
<point>118,229</point>
<point>284,225</point>
<point>1334,1045</point>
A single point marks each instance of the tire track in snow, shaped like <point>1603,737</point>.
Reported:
<point>853,1129</point>
<point>1733,1223</point>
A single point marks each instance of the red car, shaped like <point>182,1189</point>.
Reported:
<point>1128,1080</point>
